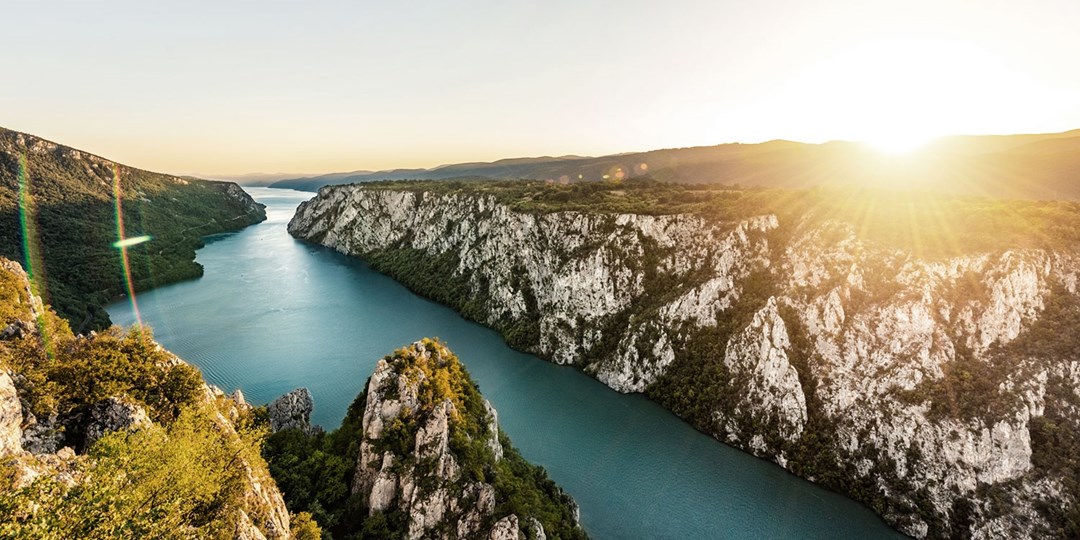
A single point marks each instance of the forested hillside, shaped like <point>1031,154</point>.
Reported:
<point>60,216</point>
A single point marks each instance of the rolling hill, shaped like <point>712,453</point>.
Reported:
<point>1035,166</point>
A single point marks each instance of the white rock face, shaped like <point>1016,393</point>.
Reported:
<point>493,431</point>
<point>899,334</point>
<point>577,268</point>
<point>537,529</point>
<point>865,340</point>
<point>505,529</point>
<point>11,417</point>
<point>759,355</point>
<point>246,529</point>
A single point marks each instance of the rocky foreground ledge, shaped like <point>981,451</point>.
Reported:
<point>110,435</point>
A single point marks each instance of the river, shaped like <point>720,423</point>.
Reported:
<point>272,313</point>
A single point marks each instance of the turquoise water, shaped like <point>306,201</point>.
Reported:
<point>272,313</point>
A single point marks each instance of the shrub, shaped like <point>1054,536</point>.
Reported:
<point>155,482</point>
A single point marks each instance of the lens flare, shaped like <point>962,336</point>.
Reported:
<point>32,262</point>
<point>28,223</point>
<point>123,243</point>
<point>134,241</point>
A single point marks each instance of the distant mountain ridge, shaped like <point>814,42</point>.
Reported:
<point>1029,166</point>
<point>503,168</point>
<point>255,179</point>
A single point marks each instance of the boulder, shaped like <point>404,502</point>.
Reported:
<point>505,529</point>
<point>114,414</point>
<point>41,435</point>
<point>292,411</point>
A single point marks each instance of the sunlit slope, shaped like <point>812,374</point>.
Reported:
<point>59,216</point>
<point>923,223</point>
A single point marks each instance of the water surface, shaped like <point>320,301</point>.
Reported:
<point>272,313</point>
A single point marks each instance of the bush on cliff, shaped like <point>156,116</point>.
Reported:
<point>156,482</point>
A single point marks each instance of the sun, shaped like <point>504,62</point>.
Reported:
<point>898,143</point>
<point>897,94</point>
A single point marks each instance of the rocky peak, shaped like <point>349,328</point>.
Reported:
<point>430,448</point>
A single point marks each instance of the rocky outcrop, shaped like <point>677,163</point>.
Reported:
<point>758,358</point>
<point>264,515</point>
<point>930,383</point>
<point>422,418</point>
<point>44,435</point>
<point>264,503</point>
<point>291,411</point>
<point>114,414</point>
<point>506,528</point>
<point>233,191</point>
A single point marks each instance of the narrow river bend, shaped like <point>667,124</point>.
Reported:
<point>272,313</point>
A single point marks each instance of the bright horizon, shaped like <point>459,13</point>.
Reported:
<point>229,89</point>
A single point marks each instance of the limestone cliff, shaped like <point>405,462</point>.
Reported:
<point>940,390</point>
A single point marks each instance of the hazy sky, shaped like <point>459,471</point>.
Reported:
<point>233,87</point>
